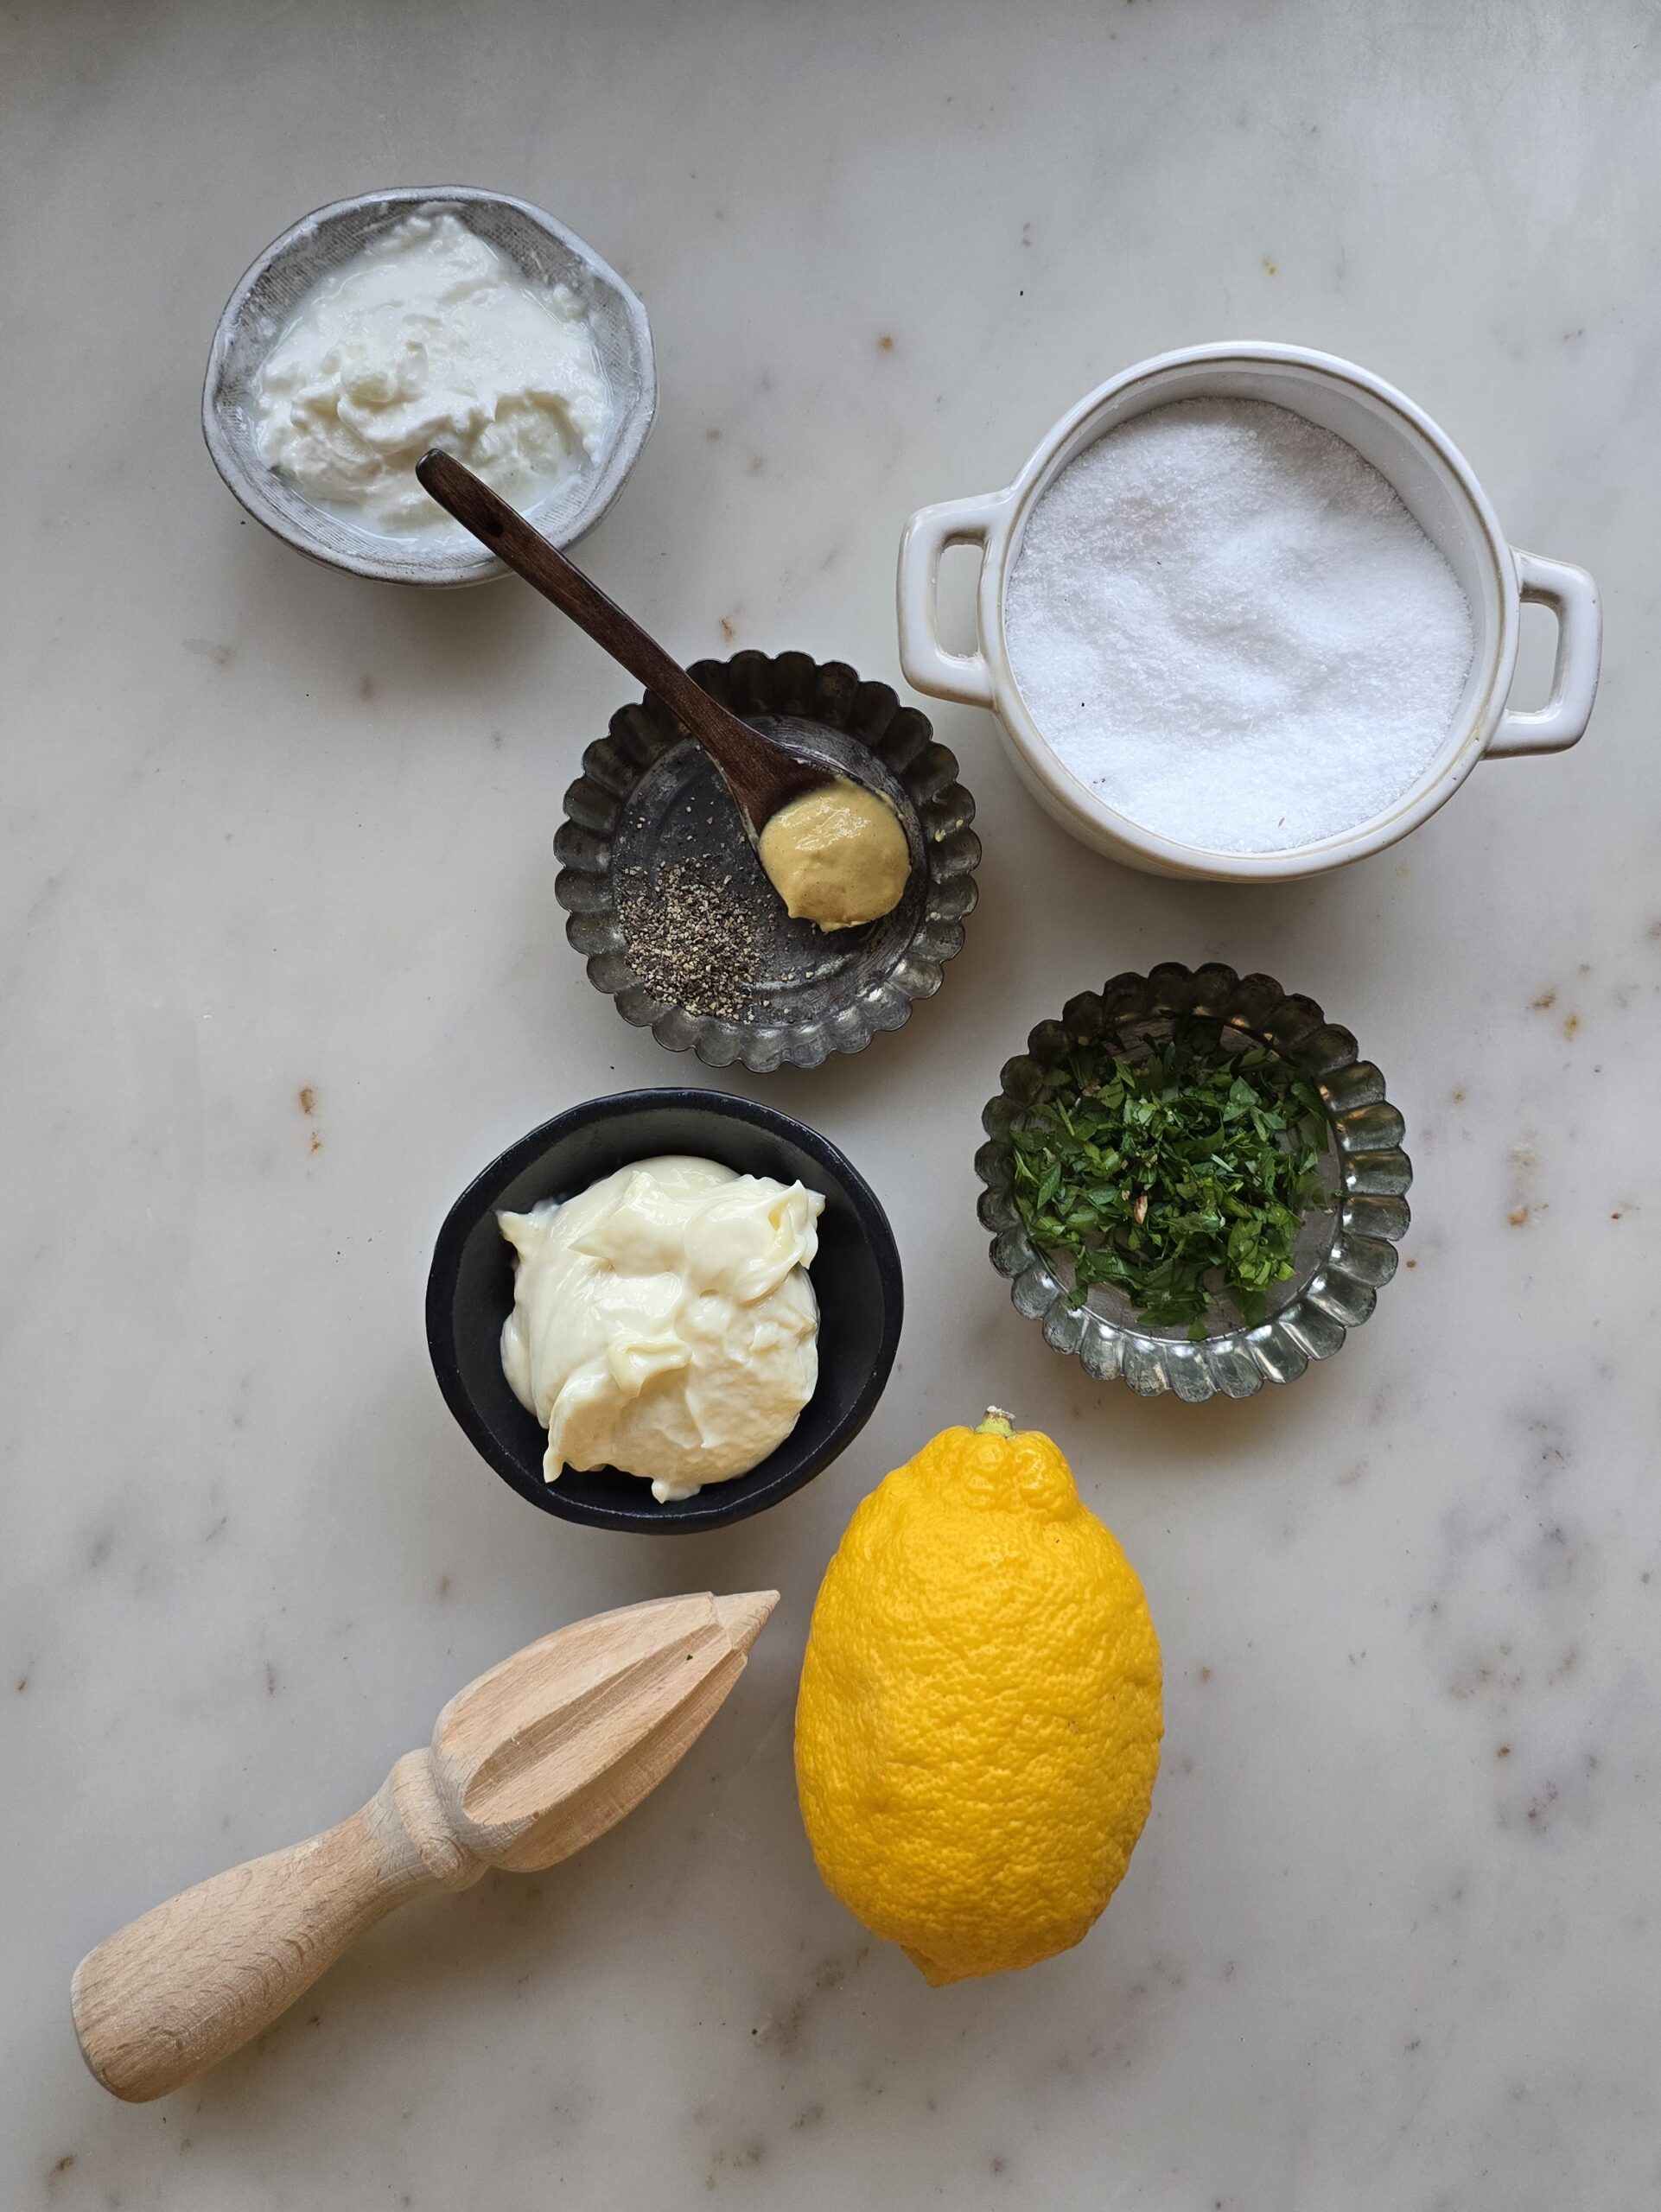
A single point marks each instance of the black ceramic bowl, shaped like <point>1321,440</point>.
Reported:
<point>470,1293</point>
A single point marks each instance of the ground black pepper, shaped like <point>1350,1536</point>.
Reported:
<point>688,936</point>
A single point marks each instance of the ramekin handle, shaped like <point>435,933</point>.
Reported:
<point>928,666</point>
<point>1573,598</point>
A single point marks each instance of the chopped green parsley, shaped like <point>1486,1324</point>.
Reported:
<point>1174,1178</point>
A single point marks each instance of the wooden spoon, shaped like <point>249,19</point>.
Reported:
<point>528,1763</point>
<point>761,775</point>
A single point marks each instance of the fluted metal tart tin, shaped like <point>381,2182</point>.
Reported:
<point>650,801</point>
<point>1348,1250</point>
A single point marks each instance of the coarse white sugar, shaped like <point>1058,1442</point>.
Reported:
<point>1225,623</point>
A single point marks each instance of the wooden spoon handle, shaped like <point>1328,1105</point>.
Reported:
<point>528,553</point>
<point>187,1984</point>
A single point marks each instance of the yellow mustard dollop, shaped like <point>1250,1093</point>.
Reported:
<point>836,856</point>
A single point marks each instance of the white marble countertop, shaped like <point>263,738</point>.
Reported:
<point>1390,1939</point>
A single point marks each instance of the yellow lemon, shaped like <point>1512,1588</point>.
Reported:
<point>978,1727</point>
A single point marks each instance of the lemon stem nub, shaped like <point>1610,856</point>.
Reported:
<point>997,1423</point>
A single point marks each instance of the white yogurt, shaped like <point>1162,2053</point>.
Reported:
<point>431,336</point>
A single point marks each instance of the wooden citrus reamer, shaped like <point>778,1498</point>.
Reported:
<point>537,1757</point>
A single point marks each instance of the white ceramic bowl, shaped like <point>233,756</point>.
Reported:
<point>265,300</point>
<point>1435,483</point>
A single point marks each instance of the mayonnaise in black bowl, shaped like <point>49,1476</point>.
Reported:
<point>855,1277</point>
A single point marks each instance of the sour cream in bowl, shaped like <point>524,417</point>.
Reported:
<point>380,326</point>
<point>429,335</point>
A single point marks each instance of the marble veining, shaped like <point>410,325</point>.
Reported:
<point>281,967</point>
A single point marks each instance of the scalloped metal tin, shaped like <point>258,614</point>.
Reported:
<point>1351,1253</point>
<point>645,781</point>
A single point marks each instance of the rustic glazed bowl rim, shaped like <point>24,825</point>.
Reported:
<point>336,544</point>
<point>1371,1216</point>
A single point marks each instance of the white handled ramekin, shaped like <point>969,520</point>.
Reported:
<point>1433,479</point>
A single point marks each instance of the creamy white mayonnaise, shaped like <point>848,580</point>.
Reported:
<point>430,336</point>
<point>664,1322</point>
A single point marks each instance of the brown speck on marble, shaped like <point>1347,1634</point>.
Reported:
<point>1546,999</point>
<point>1459,1098</point>
<point>752,2153</point>
<point>1518,1216</point>
<point>1504,1751</point>
<point>1409,1263</point>
<point>998,2164</point>
<point>23,1684</point>
<point>444,1585</point>
<point>1270,268</point>
<point>308,1099</point>
<point>727,630</point>
<point>60,2168</point>
<point>1571,1025</point>
<point>829,1974</point>
<point>1614,1217</point>
<point>317,1144</point>
<point>884,343</point>
<point>1205,1673</point>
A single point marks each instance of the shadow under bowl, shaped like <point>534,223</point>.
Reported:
<point>855,1277</point>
